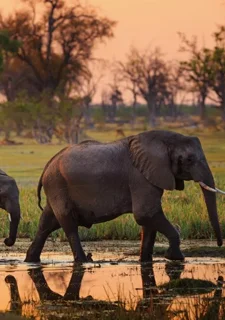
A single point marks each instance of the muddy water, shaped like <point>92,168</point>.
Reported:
<point>49,288</point>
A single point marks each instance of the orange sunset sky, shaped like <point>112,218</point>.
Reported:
<point>145,23</point>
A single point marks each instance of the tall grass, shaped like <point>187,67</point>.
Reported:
<point>186,208</point>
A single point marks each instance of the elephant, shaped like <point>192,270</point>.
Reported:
<point>94,182</point>
<point>9,201</point>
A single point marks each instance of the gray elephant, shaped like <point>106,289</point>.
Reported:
<point>94,182</point>
<point>9,201</point>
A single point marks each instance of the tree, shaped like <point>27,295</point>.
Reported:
<point>54,56</point>
<point>148,73</point>
<point>218,67</point>
<point>128,76</point>
<point>197,70</point>
<point>174,87</point>
<point>115,97</point>
<point>25,113</point>
<point>57,46</point>
<point>88,87</point>
<point>8,47</point>
<point>111,98</point>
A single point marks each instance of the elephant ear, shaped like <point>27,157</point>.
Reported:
<point>150,156</point>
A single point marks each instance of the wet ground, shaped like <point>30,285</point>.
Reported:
<point>58,289</point>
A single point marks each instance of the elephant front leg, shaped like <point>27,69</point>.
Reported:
<point>162,224</point>
<point>148,213</point>
<point>152,224</point>
<point>147,243</point>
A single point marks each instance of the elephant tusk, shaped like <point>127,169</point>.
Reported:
<point>203,185</point>
<point>9,216</point>
<point>220,191</point>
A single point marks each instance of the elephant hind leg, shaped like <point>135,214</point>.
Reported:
<point>47,224</point>
<point>70,227</point>
<point>65,213</point>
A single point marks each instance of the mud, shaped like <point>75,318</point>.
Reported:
<point>56,288</point>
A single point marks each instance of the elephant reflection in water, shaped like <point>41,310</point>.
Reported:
<point>15,301</point>
<point>46,294</point>
<point>158,302</point>
<point>153,301</point>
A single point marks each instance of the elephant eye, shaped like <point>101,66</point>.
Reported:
<point>190,159</point>
<point>179,160</point>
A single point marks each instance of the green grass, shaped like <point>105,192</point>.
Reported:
<point>186,208</point>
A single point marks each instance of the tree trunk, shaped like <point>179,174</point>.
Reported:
<point>152,112</point>
<point>87,115</point>
<point>75,129</point>
<point>133,115</point>
<point>19,129</point>
<point>7,132</point>
<point>202,108</point>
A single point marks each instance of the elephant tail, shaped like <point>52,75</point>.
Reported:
<point>39,191</point>
<point>39,187</point>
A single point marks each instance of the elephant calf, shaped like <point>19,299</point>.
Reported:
<point>94,182</point>
<point>9,201</point>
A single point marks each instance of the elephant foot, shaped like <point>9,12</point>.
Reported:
<point>9,242</point>
<point>89,257</point>
<point>146,258</point>
<point>32,258</point>
<point>174,254</point>
<point>84,258</point>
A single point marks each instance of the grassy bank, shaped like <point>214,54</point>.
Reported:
<point>187,209</point>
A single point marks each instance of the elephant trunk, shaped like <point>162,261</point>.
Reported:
<point>202,173</point>
<point>13,208</point>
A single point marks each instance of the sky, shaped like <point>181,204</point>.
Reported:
<point>149,23</point>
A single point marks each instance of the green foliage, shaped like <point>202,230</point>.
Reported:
<point>7,45</point>
<point>218,66</point>
<point>197,70</point>
<point>25,112</point>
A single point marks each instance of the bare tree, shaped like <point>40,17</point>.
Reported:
<point>115,97</point>
<point>148,73</point>
<point>218,67</point>
<point>88,87</point>
<point>127,76</point>
<point>197,70</point>
<point>174,87</point>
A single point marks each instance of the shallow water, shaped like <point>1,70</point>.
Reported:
<point>56,284</point>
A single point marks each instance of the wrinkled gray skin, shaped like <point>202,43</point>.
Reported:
<point>94,182</point>
<point>9,201</point>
